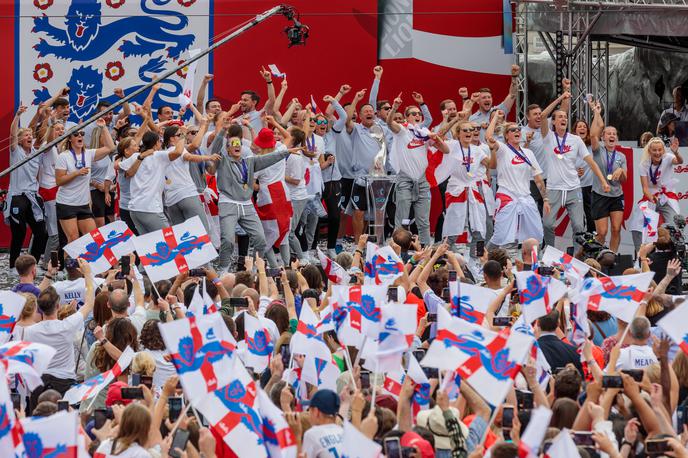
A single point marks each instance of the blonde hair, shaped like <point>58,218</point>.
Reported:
<point>680,366</point>
<point>646,151</point>
<point>22,131</point>
<point>143,363</point>
<point>133,428</point>
<point>29,306</point>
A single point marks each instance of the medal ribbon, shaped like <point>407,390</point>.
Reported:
<point>466,164</point>
<point>560,145</point>
<point>83,159</point>
<point>610,164</point>
<point>520,154</point>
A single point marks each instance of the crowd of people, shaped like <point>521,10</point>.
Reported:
<point>266,184</point>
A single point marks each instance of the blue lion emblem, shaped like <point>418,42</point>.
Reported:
<point>239,402</point>
<point>626,293</point>
<point>421,394</point>
<point>367,308</point>
<point>270,432</point>
<point>382,267</point>
<point>536,288</point>
<point>498,365</point>
<point>85,38</point>
<point>462,308</point>
<point>6,322</point>
<point>34,448</point>
<point>189,359</point>
<point>165,254</point>
<point>93,251</point>
<point>260,344</point>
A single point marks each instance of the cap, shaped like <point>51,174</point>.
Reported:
<point>433,420</point>
<point>265,138</point>
<point>114,394</point>
<point>411,439</point>
<point>666,119</point>
<point>326,401</point>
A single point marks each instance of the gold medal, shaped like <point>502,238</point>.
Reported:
<point>609,177</point>
<point>245,186</point>
<point>168,181</point>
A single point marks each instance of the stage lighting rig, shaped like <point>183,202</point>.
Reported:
<point>297,33</point>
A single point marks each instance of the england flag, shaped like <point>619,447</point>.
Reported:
<point>11,305</point>
<point>94,385</point>
<point>54,436</point>
<point>362,303</point>
<point>257,345</point>
<point>650,222</point>
<point>175,250</point>
<point>619,296</point>
<point>27,359</point>
<point>202,351</point>
<point>10,429</point>
<point>559,259</point>
<point>383,266</point>
<point>278,436</point>
<point>335,273</point>
<point>529,446</point>
<point>274,209</point>
<point>201,302</point>
<point>103,247</point>
<point>470,302</point>
<point>538,294</point>
<point>355,444</point>
<point>674,324</point>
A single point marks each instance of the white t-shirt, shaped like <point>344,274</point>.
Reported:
<point>324,441</point>
<point>181,185</point>
<point>102,170</point>
<point>664,176</point>
<point>459,179</point>
<point>70,290</point>
<point>271,174</point>
<point>163,369</point>
<point>314,184</point>
<point>58,334</point>
<point>513,173</point>
<point>409,155</point>
<point>562,173</point>
<point>46,172</point>
<point>636,357</point>
<point>145,188</point>
<point>24,178</point>
<point>296,168</point>
<point>133,451</point>
<point>78,191</point>
<point>536,145</point>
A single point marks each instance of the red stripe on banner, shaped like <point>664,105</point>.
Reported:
<point>392,386</point>
<point>355,295</point>
<point>207,369</point>
<point>100,241</point>
<point>16,349</point>
<point>171,240</point>
<point>285,438</point>
<point>473,364</point>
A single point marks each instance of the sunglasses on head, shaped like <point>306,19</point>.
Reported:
<point>78,134</point>
<point>321,122</point>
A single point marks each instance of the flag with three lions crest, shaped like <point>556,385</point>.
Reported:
<point>103,247</point>
<point>53,436</point>
<point>96,46</point>
<point>202,351</point>
<point>175,250</point>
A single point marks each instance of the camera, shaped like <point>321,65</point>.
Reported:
<point>678,240</point>
<point>590,246</point>
<point>297,33</point>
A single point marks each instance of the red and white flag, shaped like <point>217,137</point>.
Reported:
<point>319,369</point>
<point>54,436</point>
<point>650,222</point>
<point>675,324</point>
<point>175,250</point>
<point>538,294</point>
<point>314,106</point>
<point>274,209</point>
<point>382,265</point>
<point>529,446</point>
<point>397,331</point>
<point>542,367</point>
<point>257,345</point>
<point>393,381</point>
<point>563,446</point>
<point>355,444</point>
<point>470,302</point>
<point>27,359</point>
<point>189,80</point>
<point>10,429</point>
<point>440,166</point>
<point>94,385</point>
<point>362,303</point>
<point>202,351</point>
<point>559,259</point>
<point>278,436</point>
<point>233,414</point>
<point>619,296</point>
<point>11,306</point>
<point>103,247</point>
<point>335,273</point>
<point>201,302</point>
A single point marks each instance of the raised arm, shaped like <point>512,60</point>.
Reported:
<point>375,87</point>
<point>280,96</point>
<point>89,294</point>
<point>427,117</point>
<point>343,90</point>
<point>105,140</point>
<point>200,97</point>
<point>351,109</point>
<point>544,128</point>
<point>674,149</point>
<point>14,127</point>
<point>198,138</point>
<point>393,125</point>
<point>508,102</point>
<point>597,125</point>
<point>269,106</point>
<point>179,147</point>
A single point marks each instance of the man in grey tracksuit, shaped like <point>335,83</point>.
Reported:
<point>235,186</point>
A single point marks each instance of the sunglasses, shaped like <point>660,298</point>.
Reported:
<point>78,134</point>
<point>471,129</point>
<point>385,108</point>
<point>192,132</point>
<point>414,113</point>
<point>321,122</point>
<point>513,129</point>
<point>235,142</point>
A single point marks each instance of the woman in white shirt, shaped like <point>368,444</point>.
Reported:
<point>517,217</point>
<point>294,175</point>
<point>73,176</point>
<point>147,172</point>
<point>47,188</point>
<point>132,434</point>
<point>24,204</point>
<point>182,200</point>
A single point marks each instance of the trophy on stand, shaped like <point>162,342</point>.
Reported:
<point>379,186</point>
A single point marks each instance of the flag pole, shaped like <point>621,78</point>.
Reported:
<point>283,9</point>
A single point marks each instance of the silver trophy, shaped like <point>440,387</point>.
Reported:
<point>378,169</point>
<point>379,185</point>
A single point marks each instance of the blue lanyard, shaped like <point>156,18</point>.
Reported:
<point>243,171</point>
<point>610,164</point>
<point>76,162</point>
<point>310,143</point>
<point>466,164</point>
<point>653,175</point>
<point>520,154</point>
<point>561,145</point>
